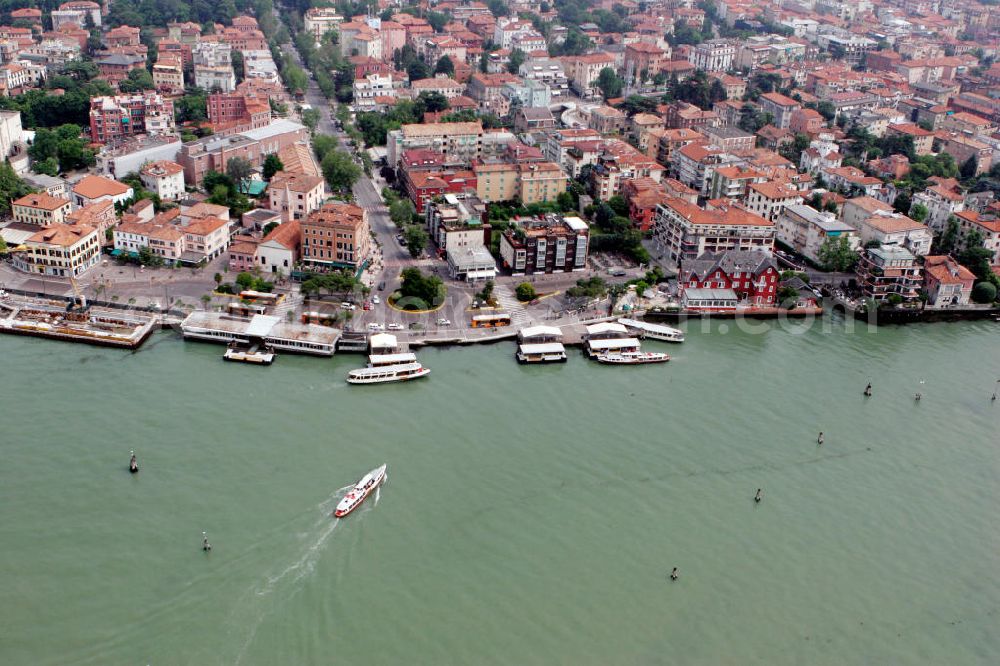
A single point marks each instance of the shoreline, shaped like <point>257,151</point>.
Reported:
<point>149,319</point>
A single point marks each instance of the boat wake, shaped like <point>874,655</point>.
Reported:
<point>267,596</point>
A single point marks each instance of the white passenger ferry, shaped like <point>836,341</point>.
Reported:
<point>632,358</point>
<point>654,331</point>
<point>383,374</point>
<point>361,490</point>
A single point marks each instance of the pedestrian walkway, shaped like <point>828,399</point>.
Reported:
<point>509,303</point>
<point>289,303</point>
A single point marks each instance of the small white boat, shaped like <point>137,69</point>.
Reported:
<point>632,358</point>
<point>361,490</point>
<point>257,354</point>
<point>387,373</point>
<point>654,331</point>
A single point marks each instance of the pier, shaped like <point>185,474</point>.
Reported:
<point>55,319</point>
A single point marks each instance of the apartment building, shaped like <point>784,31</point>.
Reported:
<point>336,236</point>
<point>553,244</point>
<point>682,230</point>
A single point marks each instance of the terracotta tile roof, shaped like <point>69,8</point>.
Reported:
<point>43,201</point>
<point>204,209</point>
<point>724,215</point>
<point>63,235</point>
<point>205,225</point>
<point>946,270</point>
<point>287,234</point>
<point>894,223</point>
<point>442,129</point>
<point>162,168</point>
<point>93,187</point>
<point>296,182</point>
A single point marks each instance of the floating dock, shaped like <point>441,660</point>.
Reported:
<point>540,344</point>
<point>95,326</point>
<point>273,331</point>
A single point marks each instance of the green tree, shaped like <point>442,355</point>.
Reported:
<point>487,291</point>
<point>417,70</point>
<point>919,212</point>
<point>49,166</point>
<point>902,203</point>
<point>310,118</point>
<point>192,107</point>
<point>835,254</point>
<point>947,242</point>
<point>444,65</point>
<point>618,205</point>
<point>272,165</point>
<point>969,168</point>
<point>976,257</point>
<point>401,212</point>
<point>438,20</point>
<point>11,187</point>
<point>239,170</point>
<point>433,101</point>
<point>525,292</point>
<point>609,83</point>
<point>517,57</point>
<point>245,280</point>
<point>419,291</point>
<point>984,292</point>
<point>340,171</point>
<point>239,68</point>
<point>137,80</point>
<point>296,79</point>
<point>416,240</point>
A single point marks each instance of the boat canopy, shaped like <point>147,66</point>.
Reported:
<point>606,327</point>
<point>385,369</point>
<point>392,359</point>
<point>540,332</point>
<point>652,328</point>
<point>617,343</point>
<point>545,348</point>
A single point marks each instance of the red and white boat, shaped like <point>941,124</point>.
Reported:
<point>361,490</point>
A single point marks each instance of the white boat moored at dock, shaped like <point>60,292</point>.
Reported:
<point>632,358</point>
<point>653,331</point>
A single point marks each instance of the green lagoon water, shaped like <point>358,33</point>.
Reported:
<point>532,514</point>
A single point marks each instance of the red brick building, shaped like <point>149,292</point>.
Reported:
<point>113,119</point>
<point>237,112</point>
<point>422,186</point>
<point>752,275</point>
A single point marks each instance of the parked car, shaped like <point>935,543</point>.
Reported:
<point>381,286</point>
<point>376,300</point>
<point>368,306</point>
<point>444,322</point>
<point>347,306</point>
<point>395,327</point>
<point>374,326</point>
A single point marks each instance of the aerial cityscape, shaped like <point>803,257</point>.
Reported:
<point>786,212</point>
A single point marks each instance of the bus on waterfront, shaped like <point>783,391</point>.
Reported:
<point>259,296</point>
<point>322,318</point>
<point>245,309</point>
<point>491,320</point>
